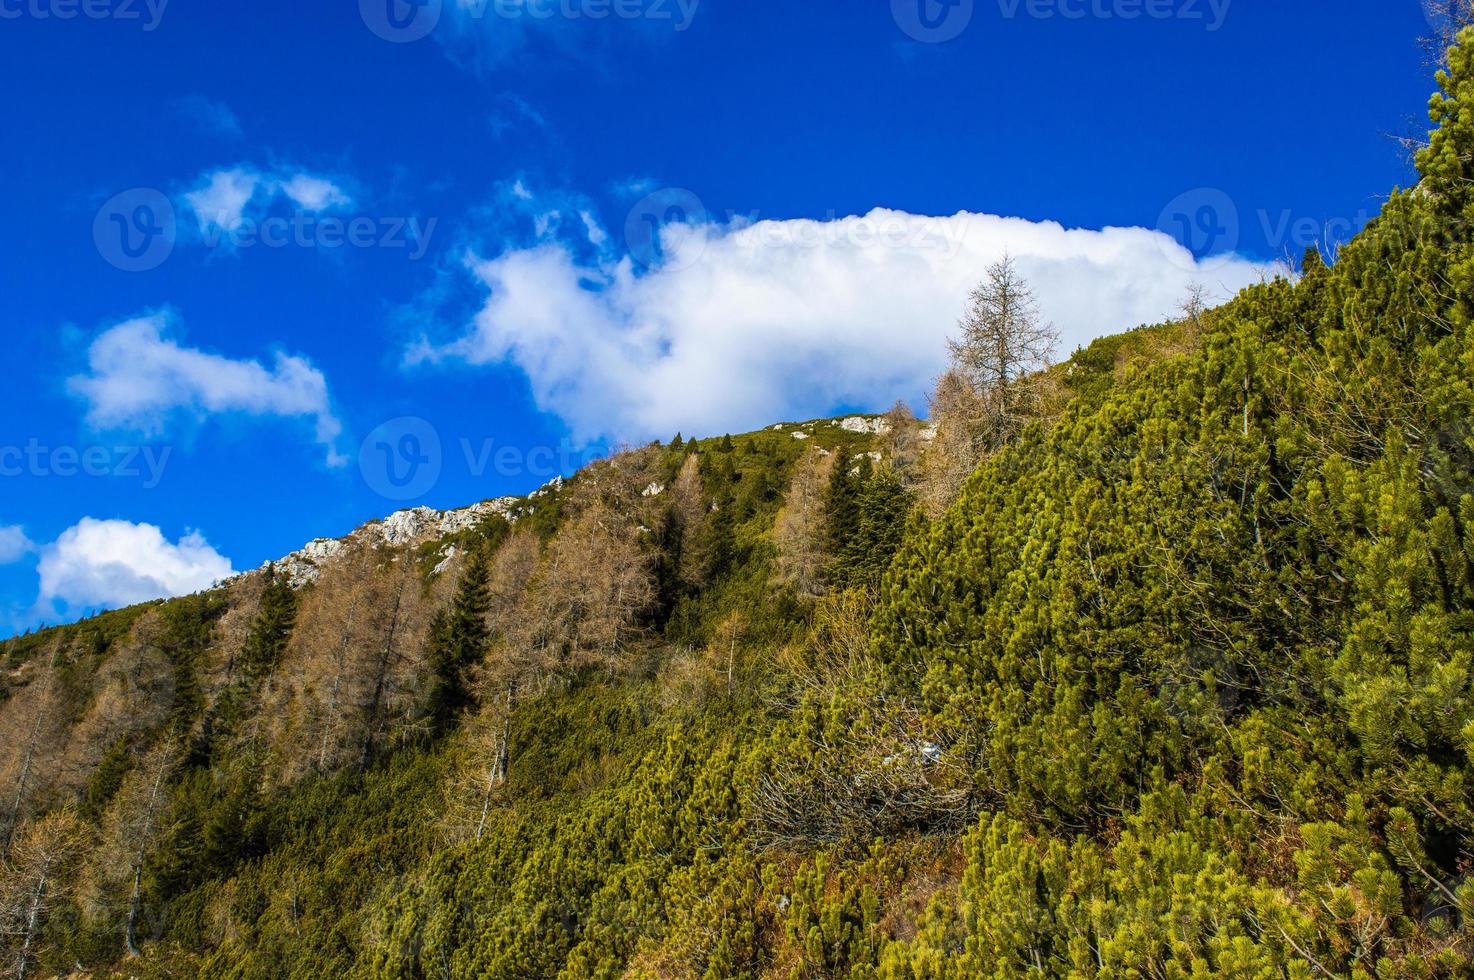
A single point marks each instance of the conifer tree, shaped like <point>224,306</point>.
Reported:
<point>879,529</point>
<point>459,637</point>
<point>271,629</point>
<point>842,507</point>
<point>718,540</point>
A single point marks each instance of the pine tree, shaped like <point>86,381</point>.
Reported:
<point>842,506</point>
<point>459,637</point>
<point>717,542</point>
<point>271,629</point>
<point>879,530</point>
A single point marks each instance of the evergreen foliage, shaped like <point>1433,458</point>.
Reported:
<point>1179,686</point>
<point>459,639</point>
<point>271,629</point>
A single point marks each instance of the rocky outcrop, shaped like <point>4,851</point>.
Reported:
<point>405,527</point>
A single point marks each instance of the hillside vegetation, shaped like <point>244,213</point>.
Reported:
<point>1176,683</point>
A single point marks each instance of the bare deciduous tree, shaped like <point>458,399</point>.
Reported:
<point>31,722</point>
<point>33,879</point>
<point>594,583</point>
<point>131,695</point>
<point>691,509</point>
<point>996,383</point>
<point>1447,18</point>
<point>131,829</point>
<point>1003,341</point>
<point>955,449</point>
<point>902,441</point>
<point>398,625</point>
<point>479,768</point>
<point>801,529</point>
<point>353,664</point>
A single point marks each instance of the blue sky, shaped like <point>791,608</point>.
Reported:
<point>275,269</point>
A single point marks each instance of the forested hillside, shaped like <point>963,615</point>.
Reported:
<point>1153,663</point>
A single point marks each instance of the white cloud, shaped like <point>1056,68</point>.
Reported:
<point>743,324</point>
<point>225,199</point>
<point>313,193</point>
<point>118,563</point>
<point>139,379</point>
<point>221,200</point>
<point>13,544</point>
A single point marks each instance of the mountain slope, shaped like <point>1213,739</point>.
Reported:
<point>1180,686</point>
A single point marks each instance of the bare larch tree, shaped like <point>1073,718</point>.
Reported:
<point>1004,341</point>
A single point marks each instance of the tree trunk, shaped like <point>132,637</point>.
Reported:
<point>33,921</point>
<point>345,642</point>
<point>135,902</point>
<point>496,775</point>
<point>12,819</point>
<point>380,679</point>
